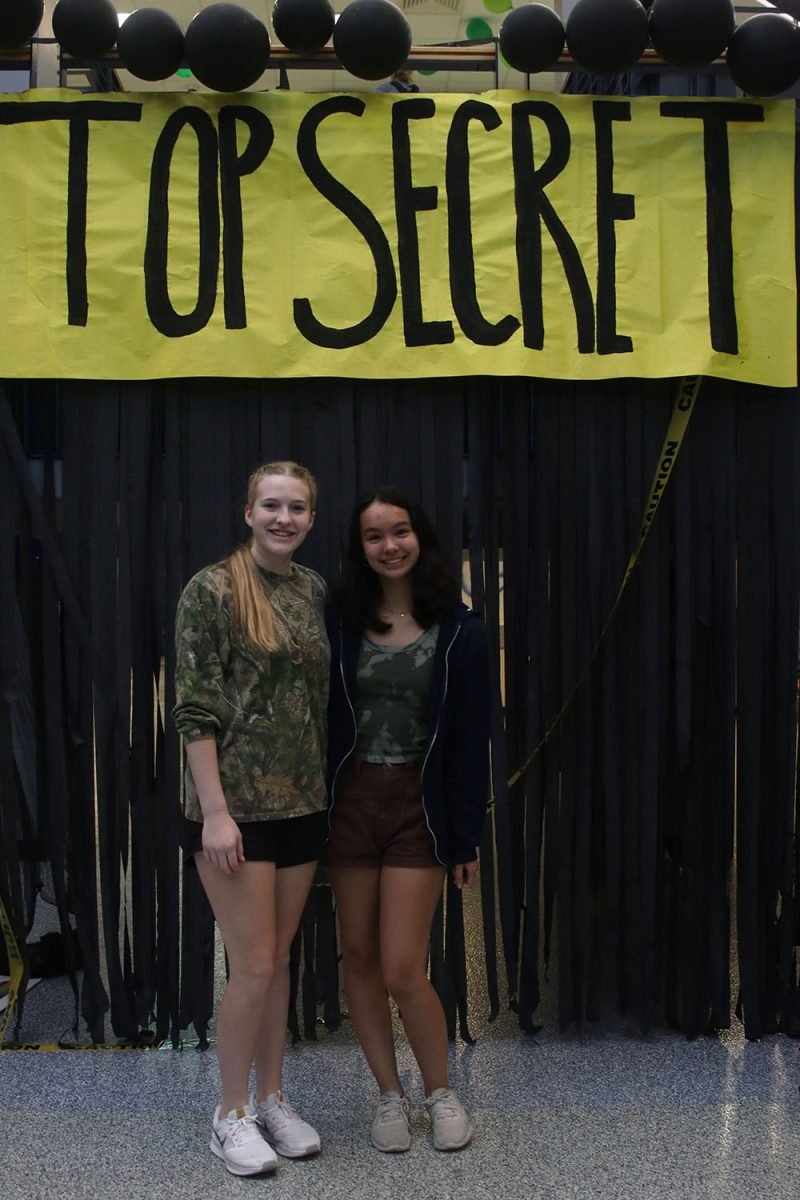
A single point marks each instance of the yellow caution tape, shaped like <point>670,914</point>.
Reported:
<point>682,410</point>
<point>47,1047</point>
<point>16,968</point>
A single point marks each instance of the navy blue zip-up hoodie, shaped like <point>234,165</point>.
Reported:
<point>455,772</point>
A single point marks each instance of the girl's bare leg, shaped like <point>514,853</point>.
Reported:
<point>292,885</point>
<point>357,892</point>
<point>408,899</point>
<point>244,907</point>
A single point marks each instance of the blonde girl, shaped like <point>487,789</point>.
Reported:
<point>252,691</point>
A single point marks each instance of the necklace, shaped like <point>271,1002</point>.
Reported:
<point>391,612</point>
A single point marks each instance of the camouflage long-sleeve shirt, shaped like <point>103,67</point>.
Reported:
<point>268,714</point>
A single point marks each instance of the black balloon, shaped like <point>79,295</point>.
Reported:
<point>226,47</point>
<point>150,44</point>
<point>531,38</point>
<point>372,39</point>
<point>764,54</point>
<point>85,28</point>
<point>19,21</point>
<point>303,25</point>
<point>691,33</point>
<point>606,37</point>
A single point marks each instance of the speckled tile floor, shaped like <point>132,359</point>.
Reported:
<point>610,1115</point>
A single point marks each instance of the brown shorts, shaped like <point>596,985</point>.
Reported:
<point>378,818</point>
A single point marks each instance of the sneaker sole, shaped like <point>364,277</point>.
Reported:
<point>286,1152</point>
<point>397,1148</point>
<point>269,1165</point>
<point>453,1145</point>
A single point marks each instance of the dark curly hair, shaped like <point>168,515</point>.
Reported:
<point>357,592</point>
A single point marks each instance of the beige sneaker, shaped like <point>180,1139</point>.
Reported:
<point>451,1125</point>
<point>391,1131</point>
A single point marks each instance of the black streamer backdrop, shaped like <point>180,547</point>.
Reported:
<point>649,850</point>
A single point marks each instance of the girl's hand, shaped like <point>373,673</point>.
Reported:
<point>465,874</point>
<point>222,843</point>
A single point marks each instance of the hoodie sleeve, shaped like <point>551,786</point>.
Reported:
<point>466,743</point>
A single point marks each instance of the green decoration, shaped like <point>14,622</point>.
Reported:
<point>497,6</point>
<point>428,71</point>
<point>184,72</point>
<point>478,29</point>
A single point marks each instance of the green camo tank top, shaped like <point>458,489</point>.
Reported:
<point>392,687</point>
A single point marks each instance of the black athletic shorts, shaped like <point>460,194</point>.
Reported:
<point>288,841</point>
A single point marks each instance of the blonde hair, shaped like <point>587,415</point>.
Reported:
<point>252,611</point>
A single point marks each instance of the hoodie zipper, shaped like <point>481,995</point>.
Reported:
<point>355,728</point>
<point>433,739</point>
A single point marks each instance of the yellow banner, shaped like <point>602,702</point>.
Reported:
<point>286,234</point>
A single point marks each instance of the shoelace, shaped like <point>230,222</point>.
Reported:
<point>391,1108</point>
<point>242,1130</point>
<point>444,1106</point>
<point>281,1113</point>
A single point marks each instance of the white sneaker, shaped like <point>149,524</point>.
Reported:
<point>390,1130</point>
<point>451,1125</point>
<point>286,1130</point>
<point>237,1141</point>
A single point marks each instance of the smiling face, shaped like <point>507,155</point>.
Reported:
<point>390,544</point>
<point>280,517</point>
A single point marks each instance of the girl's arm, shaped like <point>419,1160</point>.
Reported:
<point>466,751</point>
<point>200,710</point>
<point>222,838</point>
<point>465,874</point>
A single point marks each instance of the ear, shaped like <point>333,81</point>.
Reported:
<point>313,518</point>
<point>248,515</point>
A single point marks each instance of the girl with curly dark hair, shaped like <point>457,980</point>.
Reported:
<point>408,783</point>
